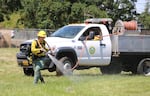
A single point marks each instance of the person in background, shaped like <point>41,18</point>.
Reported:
<point>115,38</point>
<point>39,50</point>
<point>98,35</point>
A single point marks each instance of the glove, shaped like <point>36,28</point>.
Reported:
<point>46,54</point>
<point>42,50</point>
<point>49,52</point>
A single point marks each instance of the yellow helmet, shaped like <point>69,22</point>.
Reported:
<point>41,34</point>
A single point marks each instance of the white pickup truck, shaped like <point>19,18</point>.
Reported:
<point>76,46</point>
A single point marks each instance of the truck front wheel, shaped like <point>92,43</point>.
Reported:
<point>113,68</point>
<point>65,67</point>
<point>144,67</point>
<point>28,71</point>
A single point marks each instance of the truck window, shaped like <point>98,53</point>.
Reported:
<point>97,33</point>
<point>67,31</point>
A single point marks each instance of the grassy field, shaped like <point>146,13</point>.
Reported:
<point>83,83</point>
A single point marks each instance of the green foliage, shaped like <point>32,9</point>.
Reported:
<point>7,7</point>
<point>144,18</point>
<point>77,13</point>
<point>44,14</point>
<point>56,13</point>
<point>119,9</point>
<point>12,22</point>
<point>59,14</point>
<point>94,12</point>
<point>28,14</point>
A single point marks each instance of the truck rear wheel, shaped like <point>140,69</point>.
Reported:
<point>144,67</point>
<point>64,69</point>
<point>113,68</point>
<point>28,71</point>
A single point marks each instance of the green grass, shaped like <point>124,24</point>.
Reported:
<point>83,83</point>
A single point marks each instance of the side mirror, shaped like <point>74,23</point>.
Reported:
<point>82,38</point>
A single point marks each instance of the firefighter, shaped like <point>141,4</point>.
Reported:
<point>39,50</point>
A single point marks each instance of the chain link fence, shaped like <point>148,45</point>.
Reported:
<point>16,36</point>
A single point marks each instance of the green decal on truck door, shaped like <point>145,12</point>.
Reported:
<point>92,50</point>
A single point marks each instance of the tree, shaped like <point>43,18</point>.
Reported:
<point>54,14</point>
<point>77,13</point>
<point>119,9</point>
<point>144,17</point>
<point>44,13</point>
<point>60,13</point>
<point>7,7</point>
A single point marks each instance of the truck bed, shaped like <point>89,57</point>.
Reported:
<point>133,43</point>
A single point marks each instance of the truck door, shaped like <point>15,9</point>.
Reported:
<point>93,51</point>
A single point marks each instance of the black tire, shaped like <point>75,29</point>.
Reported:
<point>134,70</point>
<point>113,68</point>
<point>64,69</point>
<point>28,71</point>
<point>144,67</point>
<point>52,69</point>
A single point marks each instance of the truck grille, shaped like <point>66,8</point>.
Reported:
<point>25,47</point>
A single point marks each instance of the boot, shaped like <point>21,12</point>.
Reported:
<point>42,80</point>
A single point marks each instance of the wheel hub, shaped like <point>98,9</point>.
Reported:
<point>147,68</point>
<point>67,66</point>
